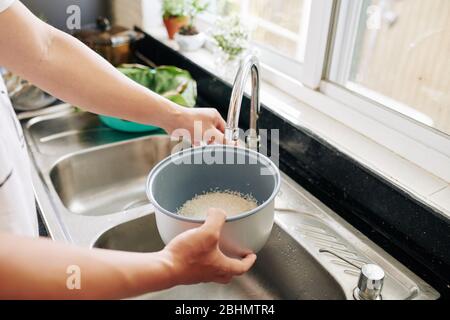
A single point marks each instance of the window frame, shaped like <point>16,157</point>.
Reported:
<point>420,144</point>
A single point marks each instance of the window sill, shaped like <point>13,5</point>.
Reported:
<point>413,179</point>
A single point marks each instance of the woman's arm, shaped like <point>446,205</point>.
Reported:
<point>37,268</point>
<point>66,68</point>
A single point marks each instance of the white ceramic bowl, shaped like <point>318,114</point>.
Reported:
<point>190,43</point>
<point>193,171</point>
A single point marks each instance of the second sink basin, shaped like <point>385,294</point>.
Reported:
<point>283,270</point>
<point>71,131</point>
<point>111,178</point>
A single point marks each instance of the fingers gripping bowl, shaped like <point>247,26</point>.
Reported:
<point>188,173</point>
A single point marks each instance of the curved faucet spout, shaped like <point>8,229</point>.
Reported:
<point>250,65</point>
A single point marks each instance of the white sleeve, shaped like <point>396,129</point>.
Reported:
<point>5,4</point>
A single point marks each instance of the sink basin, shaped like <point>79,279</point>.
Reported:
<point>111,178</point>
<point>72,131</point>
<point>283,270</point>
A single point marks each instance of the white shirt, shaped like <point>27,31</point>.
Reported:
<point>17,203</point>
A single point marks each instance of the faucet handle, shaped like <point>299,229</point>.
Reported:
<point>370,283</point>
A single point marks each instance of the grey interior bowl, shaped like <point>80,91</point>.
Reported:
<point>194,171</point>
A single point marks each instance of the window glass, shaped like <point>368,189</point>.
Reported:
<point>280,26</point>
<point>401,58</point>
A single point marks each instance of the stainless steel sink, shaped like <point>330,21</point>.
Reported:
<point>109,179</point>
<point>89,183</point>
<point>71,130</point>
<point>284,269</point>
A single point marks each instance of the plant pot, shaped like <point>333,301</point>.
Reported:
<point>174,24</point>
<point>190,42</point>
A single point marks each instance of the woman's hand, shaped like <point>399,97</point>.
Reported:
<point>201,124</point>
<point>194,256</point>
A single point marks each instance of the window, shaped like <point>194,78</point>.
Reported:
<point>280,26</point>
<point>381,67</point>
<point>396,52</point>
<point>280,31</point>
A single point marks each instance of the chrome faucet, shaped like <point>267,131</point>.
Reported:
<point>250,64</point>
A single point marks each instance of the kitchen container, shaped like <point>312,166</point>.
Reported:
<point>190,42</point>
<point>174,24</point>
<point>24,95</point>
<point>127,126</point>
<point>111,42</point>
<point>194,171</point>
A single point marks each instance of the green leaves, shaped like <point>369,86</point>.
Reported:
<point>171,82</point>
<point>176,85</point>
<point>175,8</point>
<point>197,6</point>
<point>231,36</point>
<point>182,8</point>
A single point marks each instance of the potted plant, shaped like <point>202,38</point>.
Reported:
<point>175,15</point>
<point>188,37</point>
<point>231,39</point>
